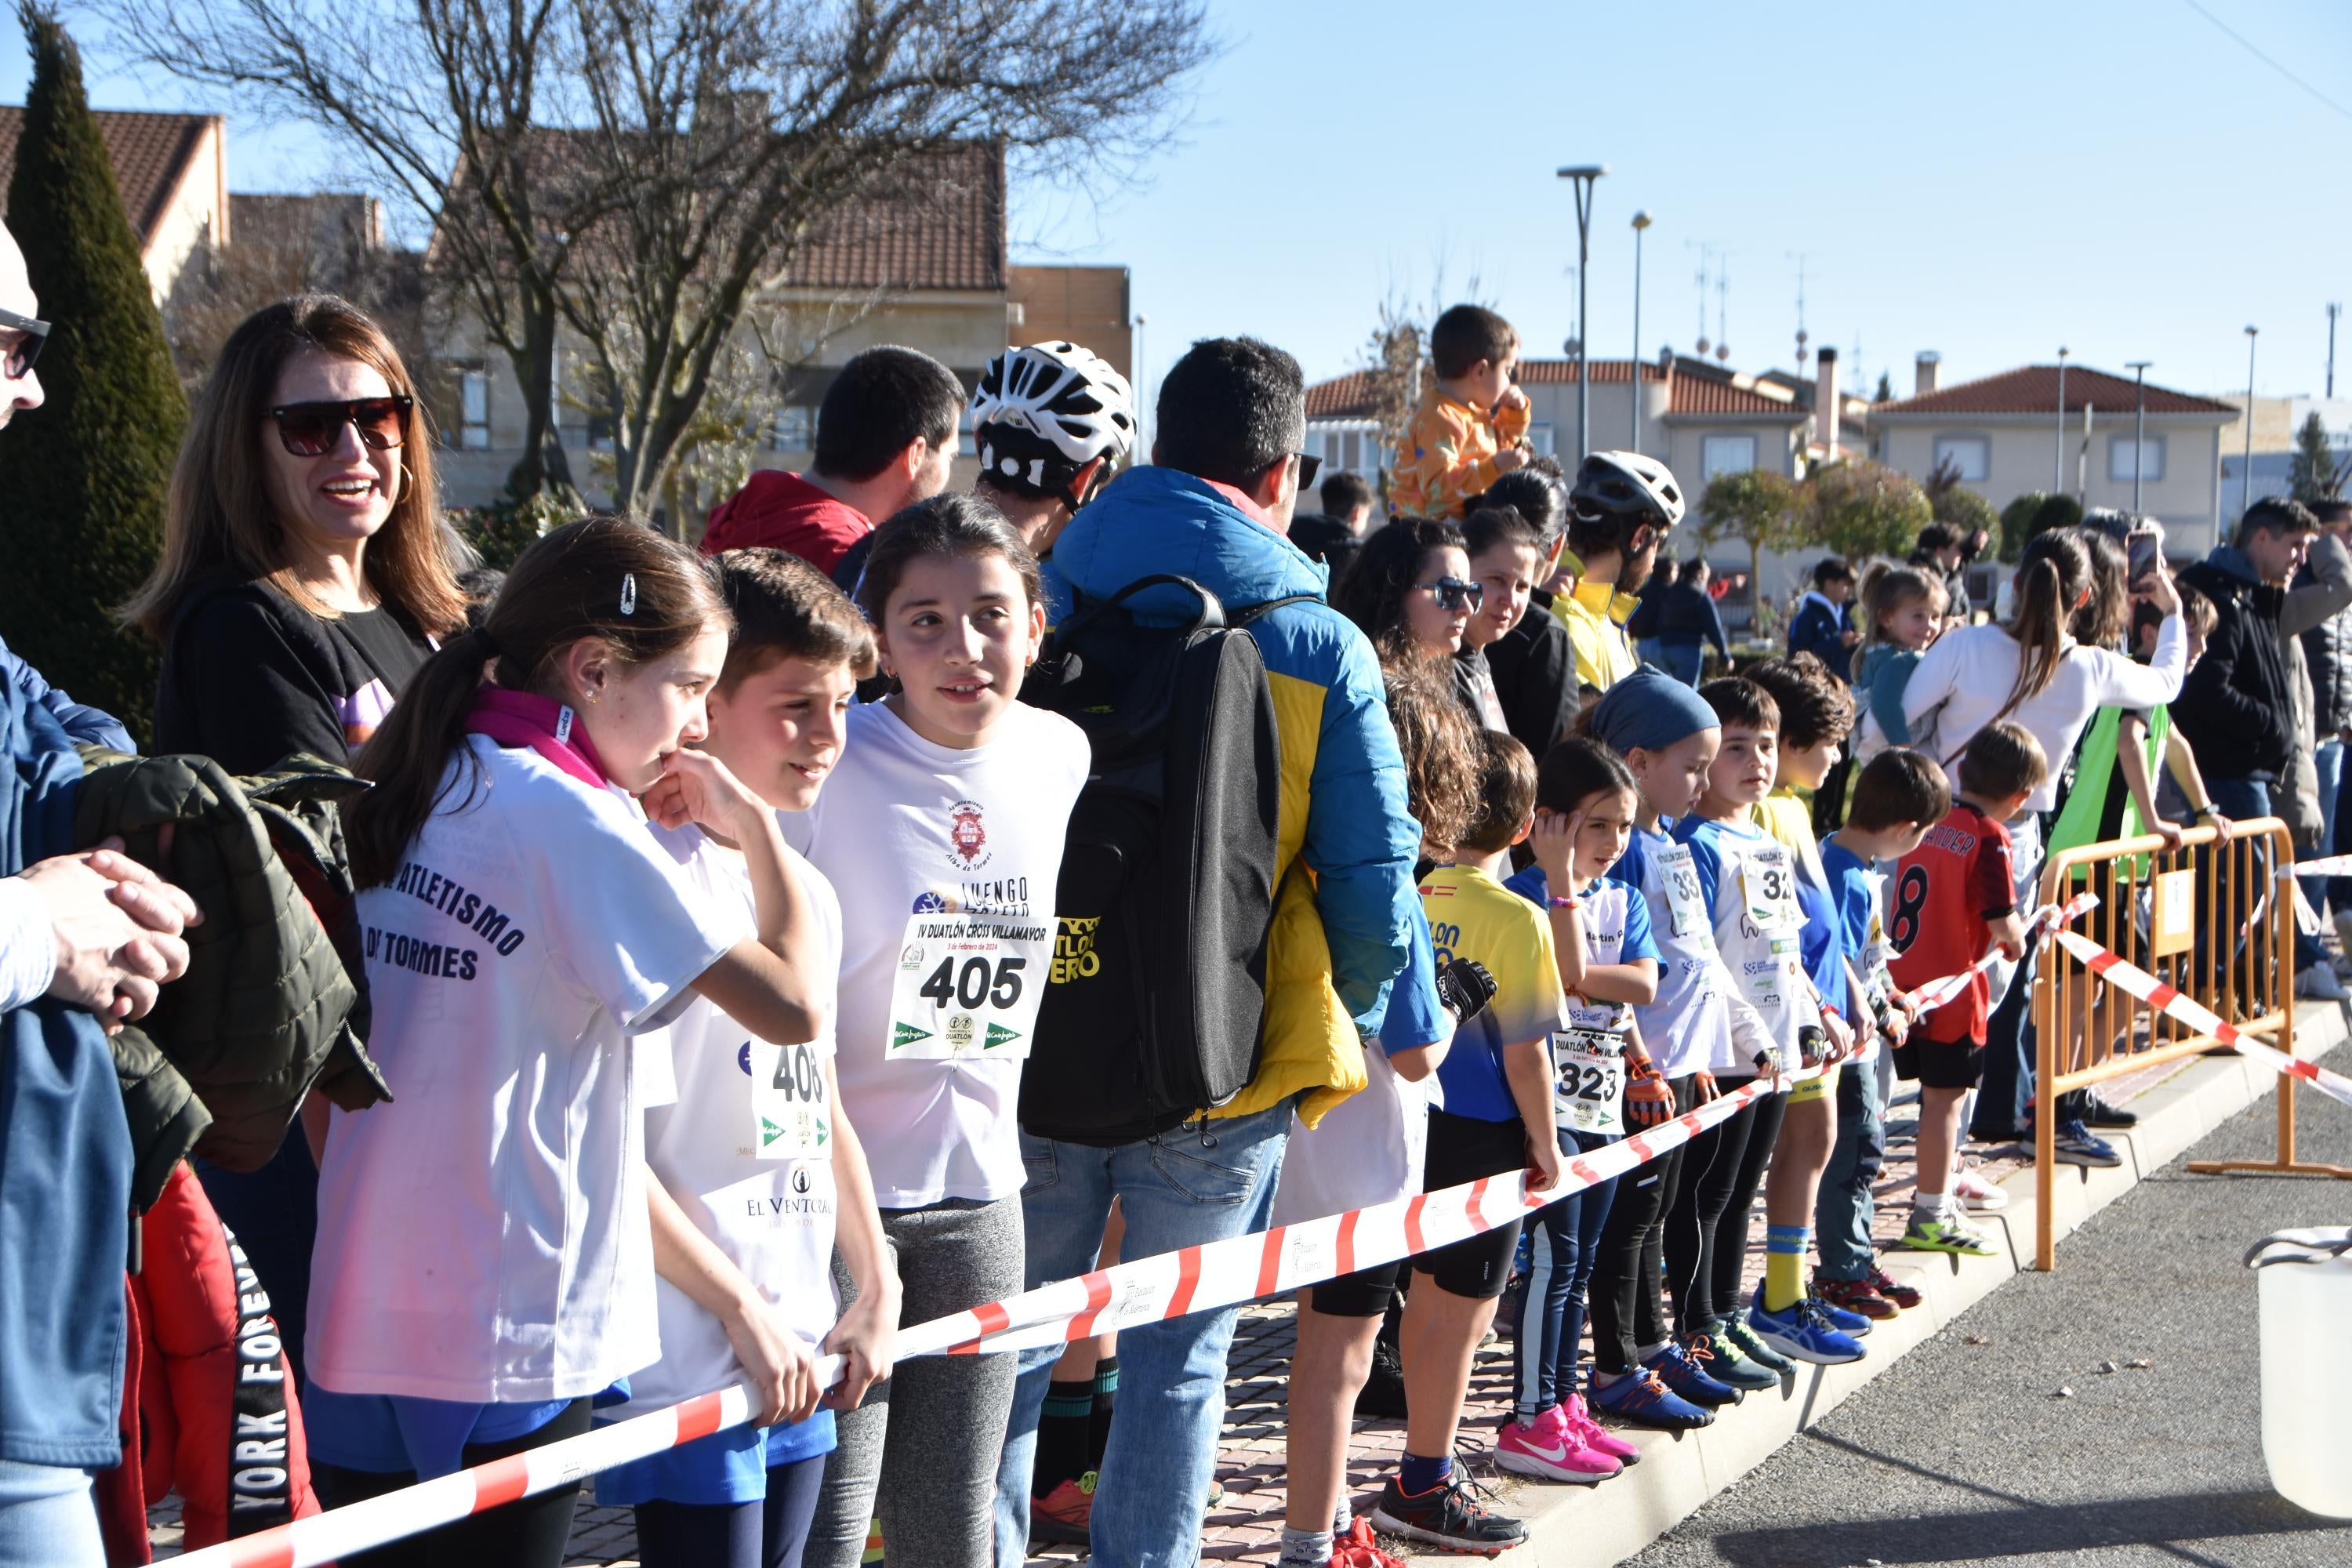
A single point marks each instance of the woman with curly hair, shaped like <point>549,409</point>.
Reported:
<point>1409,589</point>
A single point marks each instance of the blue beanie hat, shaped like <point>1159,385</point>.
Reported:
<point>1651,710</point>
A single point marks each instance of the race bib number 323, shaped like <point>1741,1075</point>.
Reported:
<point>1589,1083</point>
<point>968,987</point>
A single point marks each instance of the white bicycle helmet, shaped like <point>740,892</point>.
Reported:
<point>1044,412</point>
<point>1628,486</point>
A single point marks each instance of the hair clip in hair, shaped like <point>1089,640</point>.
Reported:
<point>628,593</point>
<point>563,725</point>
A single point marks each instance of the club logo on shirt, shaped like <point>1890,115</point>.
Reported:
<point>967,837</point>
<point>928,902</point>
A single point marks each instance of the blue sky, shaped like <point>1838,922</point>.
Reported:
<point>1989,181</point>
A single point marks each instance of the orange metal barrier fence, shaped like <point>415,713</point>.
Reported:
<point>2211,920</point>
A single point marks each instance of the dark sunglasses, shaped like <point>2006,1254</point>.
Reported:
<point>25,348</point>
<point>1454,594</point>
<point>307,429</point>
<point>1308,469</point>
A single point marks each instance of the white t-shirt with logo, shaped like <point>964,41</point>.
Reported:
<point>1750,880</point>
<point>482,1238</point>
<point>741,1135</point>
<point>922,841</point>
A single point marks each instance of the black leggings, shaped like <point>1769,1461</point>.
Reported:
<point>1727,1191</point>
<point>531,1532</point>
<point>769,1534</point>
<point>1626,1311</point>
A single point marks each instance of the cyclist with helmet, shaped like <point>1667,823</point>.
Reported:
<point>1051,421</point>
<point>1622,506</point>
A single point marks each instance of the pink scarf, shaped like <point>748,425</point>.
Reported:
<point>545,725</point>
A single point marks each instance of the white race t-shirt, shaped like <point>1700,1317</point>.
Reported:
<point>741,1137</point>
<point>483,1238</point>
<point>916,838</point>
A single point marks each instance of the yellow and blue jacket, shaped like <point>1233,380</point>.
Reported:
<point>1342,935</point>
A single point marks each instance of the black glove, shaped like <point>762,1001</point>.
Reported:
<point>1465,988</point>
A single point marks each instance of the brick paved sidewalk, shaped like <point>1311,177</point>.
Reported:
<point>1246,1525</point>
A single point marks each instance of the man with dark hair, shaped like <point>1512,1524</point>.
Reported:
<point>885,435</point>
<point>1824,625</point>
<point>1214,506</point>
<point>1333,535</point>
<point>1348,499</point>
<point>1944,550</point>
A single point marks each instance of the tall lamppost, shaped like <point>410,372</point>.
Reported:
<point>1641,222</point>
<point>2138,368</point>
<point>2058,475</point>
<point>2246,484</point>
<point>1583,174</point>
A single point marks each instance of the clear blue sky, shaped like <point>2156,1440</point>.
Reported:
<point>1990,181</point>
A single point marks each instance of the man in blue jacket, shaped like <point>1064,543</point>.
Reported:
<point>1824,625</point>
<point>1215,508</point>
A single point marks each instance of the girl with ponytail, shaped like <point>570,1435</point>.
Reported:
<point>484,1263</point>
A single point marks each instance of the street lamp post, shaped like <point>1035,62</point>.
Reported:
<point>2138,368</point>
<point>2058,475</point>
<point>1641,222</point>
<point>1583,174</point>
<point>2246,479</point>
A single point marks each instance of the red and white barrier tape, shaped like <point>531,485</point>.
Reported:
<point>2172,1003</point>
<point>1200,1278</point>
<point>1936,994</point>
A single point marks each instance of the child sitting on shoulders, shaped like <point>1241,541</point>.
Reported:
<point>1467,431</point>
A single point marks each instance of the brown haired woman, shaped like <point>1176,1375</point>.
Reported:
<point>303,582</point>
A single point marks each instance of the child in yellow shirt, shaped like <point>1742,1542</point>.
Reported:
<point>1467,432</point>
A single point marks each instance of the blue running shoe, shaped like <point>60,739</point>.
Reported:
<point>1851,1324</point>
<point>1803,1332</point>
<point>2076,1144</point>
<point>1684,1371</point>
<point>1641,1399</point>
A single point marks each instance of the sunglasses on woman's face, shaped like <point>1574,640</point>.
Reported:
<point>307,429</point>
<point>21,338</point>
<point>1454,594</point>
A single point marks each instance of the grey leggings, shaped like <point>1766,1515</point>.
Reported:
<point>939,1456</point>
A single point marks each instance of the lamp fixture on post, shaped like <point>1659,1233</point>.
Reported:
<point>1583,174</point>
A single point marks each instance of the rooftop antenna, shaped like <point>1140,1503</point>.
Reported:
<point>1801,338</point>
<point>1705,251</point>
<point>1723,315</point>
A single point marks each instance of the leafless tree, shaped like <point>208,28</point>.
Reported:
<point>643,172</point>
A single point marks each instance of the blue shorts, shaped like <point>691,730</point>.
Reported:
<point>389,1434</point>
<point>729,1466</point>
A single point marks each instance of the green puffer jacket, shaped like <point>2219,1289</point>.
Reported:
<point>275,998</point>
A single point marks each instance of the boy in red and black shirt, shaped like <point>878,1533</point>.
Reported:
<point>1952,897</point>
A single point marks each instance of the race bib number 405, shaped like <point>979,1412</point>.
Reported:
<point>1588,1081</point>
<point>968,987</point>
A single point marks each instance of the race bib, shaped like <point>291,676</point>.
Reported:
<point>968,987</point>
<point>1588,1081</point>
<point>1686,914</point>
<point>789,1117</point>
<point>1767,884</point>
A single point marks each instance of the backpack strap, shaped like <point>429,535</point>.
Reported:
<point>1244,617</point>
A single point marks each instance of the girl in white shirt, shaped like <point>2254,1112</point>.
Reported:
<point>942,832</point>
<point>485,1265</point>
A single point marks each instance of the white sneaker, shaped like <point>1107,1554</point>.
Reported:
<point>2318,982</point>
<point>1974,1192</point>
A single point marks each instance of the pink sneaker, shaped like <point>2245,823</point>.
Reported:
<point>1549,1450</point>
<point>1596,1437</point>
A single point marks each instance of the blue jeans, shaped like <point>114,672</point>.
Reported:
<point>1564,1244</point>
<point>2241,800</point>
<point>1683,660</point>
<point>1188,1185</point>
<point>2327,759</point>
<point>1652,650</point>
<point>1843,1210</point>
<point>48,1518</point>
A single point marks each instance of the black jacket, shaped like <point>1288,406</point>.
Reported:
<point>2327,650</point>
<point>1534,667</point>
<point>2236,707</point>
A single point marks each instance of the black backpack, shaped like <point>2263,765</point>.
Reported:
<point>1156,1001</point>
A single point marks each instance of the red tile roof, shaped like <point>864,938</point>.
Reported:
<point>937,224</point>
<point>1700,394</point>
<point>2033,389</point>
<point>1349,396</point>
<point>151,154</point>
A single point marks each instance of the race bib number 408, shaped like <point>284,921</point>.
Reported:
<point>968,987</point>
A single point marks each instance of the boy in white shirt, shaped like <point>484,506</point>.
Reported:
<point>754,1172</point>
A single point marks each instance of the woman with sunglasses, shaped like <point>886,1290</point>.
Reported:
<point>302,583</point>
<point>1409,589</point>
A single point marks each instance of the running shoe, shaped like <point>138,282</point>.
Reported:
<point>1596,1437</point>
<point>1062,1515</point>
<point>1551,1451</point>
<point>1853,1325</point>
<point>1969,1186</point>
<point>1904,1295</point>
<point>1741,1335</point>
<point>1355,1548</point>
<point>2100,1112</point>
<point>1383,1395</point>
<point>1729,1366</point>
<point>2075,1145</point>
<point>1643,1400</point>
<point>1803,1332</point>
<point>1855,1296</point>
<point>1954,1236</point>
<point>1685,1372</point>
<point>2318,983</point>
<point>1447,1516</point>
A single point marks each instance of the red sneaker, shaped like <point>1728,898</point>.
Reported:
<point>1855,1296</point>
<point>1893,1289</point>
<point>1063,1515</point>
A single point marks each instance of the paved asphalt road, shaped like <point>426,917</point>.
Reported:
<point>1962,1455</point>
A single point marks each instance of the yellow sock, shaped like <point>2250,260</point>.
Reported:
<point>1784,1266</point>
